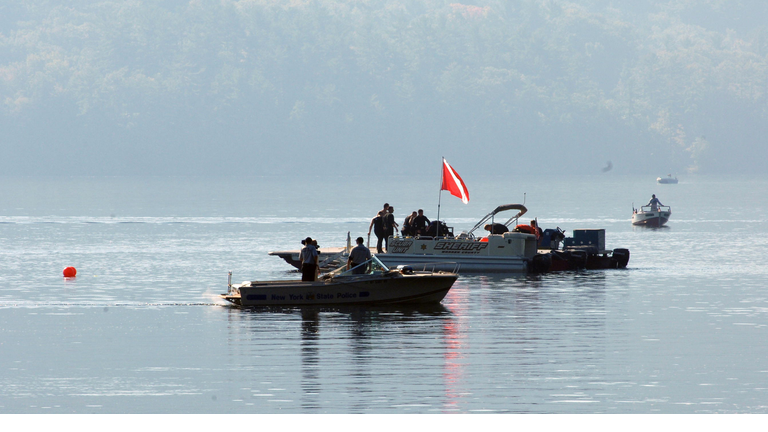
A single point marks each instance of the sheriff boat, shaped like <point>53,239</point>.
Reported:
<point>507,252</point>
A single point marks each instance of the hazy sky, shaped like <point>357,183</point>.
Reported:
<point>267,88</point>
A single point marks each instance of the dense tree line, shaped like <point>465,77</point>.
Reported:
<point>208,86</point>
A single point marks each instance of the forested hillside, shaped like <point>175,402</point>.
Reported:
<point>382,86</point>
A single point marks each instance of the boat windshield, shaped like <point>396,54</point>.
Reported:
<point>372,266</point>
<point>658,208</point>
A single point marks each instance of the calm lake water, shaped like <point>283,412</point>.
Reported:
<point>141,329</point>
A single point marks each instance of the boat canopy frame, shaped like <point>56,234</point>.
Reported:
<point>490,216</point>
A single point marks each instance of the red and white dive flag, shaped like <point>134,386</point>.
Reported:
<point>453,183</point>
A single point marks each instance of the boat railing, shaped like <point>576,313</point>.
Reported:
<point>231,290</point>
<point>436,267</point>
<point>658,208</point>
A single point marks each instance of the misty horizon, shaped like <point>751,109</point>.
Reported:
<point>383,88</point>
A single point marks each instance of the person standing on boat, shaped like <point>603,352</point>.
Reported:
<point>389,226</point>
<point>377,223</point>
<point>383,211</point>
<point>654,203</point>
<point>358,255</point>
<point>309,259</point>
<point>420,223</point>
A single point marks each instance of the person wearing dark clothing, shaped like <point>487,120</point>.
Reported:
<point>496,228</point>
<point>420,223</point>
<point>308,257</point>
<point>357,256</point>
<point>377,223</point>
<point>389,226</point>
<point>408,225</point>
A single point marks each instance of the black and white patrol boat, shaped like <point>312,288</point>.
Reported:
<point>373,284</point>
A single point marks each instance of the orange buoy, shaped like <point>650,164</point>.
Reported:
<point>70,272</point>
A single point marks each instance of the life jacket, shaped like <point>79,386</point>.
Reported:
<point>527,229</point>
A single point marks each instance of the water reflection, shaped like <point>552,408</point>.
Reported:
<point>455,333</point>
<point>527,336</point>
<point>649,228</point>
<point>345,353</point>
<point>531,337</point>
<point>310,359</point>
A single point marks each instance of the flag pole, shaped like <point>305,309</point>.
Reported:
<point>440,196</point>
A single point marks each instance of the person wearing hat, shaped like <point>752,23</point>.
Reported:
<point>654,202</point>
<point>309,258</point>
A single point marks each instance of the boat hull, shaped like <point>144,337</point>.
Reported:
<point>389,288</point>
<point>467,264</point>
<point>510,252</point>
<point>576,259</point>
<point>651,219</point>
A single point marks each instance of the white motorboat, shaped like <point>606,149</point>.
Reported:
<point>376,285</point>
<point>650,216</point>
<point>507,252</point>
<point>666,180</point>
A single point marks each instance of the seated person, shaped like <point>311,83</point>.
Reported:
<point>420,223</point>
<point>408,229</point>
<point>437,229</point>
<point>496,228</point>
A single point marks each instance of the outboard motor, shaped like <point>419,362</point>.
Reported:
<point>577,258</point>
<point>541,263</point>
<point>621,257</point>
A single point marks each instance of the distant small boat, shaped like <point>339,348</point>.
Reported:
<point>666,180</point>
